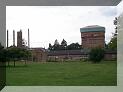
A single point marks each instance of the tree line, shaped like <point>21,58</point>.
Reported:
<point>64,46</point>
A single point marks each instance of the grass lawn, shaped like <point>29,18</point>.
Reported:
<point>63,74</point>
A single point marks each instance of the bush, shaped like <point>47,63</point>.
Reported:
<point>96,55</point>
<point>52,60</point>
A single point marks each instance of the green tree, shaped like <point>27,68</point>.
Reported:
<point>63,45</point>
<point>15,54</point>
<point>74,46</point>
<point>96,55</point>
<point>50,47</point>
<point>113,44</point>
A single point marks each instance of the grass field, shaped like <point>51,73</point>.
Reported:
<point>63,74</point>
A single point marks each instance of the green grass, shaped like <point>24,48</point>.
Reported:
<point>63,74</point>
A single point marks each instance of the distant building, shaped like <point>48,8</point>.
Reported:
<point>19,39</point>
<point>39,54</point>
<point>93,36</point>
<point>67,55</point>
<point>74,55</point>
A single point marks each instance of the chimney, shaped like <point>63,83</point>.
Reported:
<point>13,37</point>
<point>19,39</point>
<point>7,38</point>
<point>28,39</point>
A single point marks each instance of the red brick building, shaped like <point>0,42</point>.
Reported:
<point>93,36</point>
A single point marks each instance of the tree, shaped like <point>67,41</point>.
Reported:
<point>96,55</point>
<point>74,46</point>
<point>56,42</point>
<point>56,45</point>
<point>63,45</point>
<point>15,54</point>
<point>113,42</point>
<point>115,23</point>
<point>50,47</point>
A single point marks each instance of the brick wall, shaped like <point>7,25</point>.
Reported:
<point>93,39</point>
<point>39,55</point>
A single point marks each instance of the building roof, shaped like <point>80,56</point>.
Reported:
<point>39,49</point>
<point>93,28</point>
<point>75,52</point>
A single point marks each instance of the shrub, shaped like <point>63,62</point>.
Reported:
<point>96,55</point>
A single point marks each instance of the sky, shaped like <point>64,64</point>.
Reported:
<point>47,23</point>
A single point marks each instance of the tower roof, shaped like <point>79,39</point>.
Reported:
<point>93,28</point>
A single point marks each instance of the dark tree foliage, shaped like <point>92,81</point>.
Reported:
<point>113,44</point>
<point>15,53</point>
<point>2,54</point>
<point>74,46</point>
<point>56,45</point>
<point>63,45</point>
<point>96,55</point>
<point>50,47</point>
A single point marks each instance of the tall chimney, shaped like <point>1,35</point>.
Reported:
<point>7,38</point>
<point>28,39</point>
<point>19,39</point>
<point>13,37</point>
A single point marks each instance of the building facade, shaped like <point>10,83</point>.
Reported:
<point>39,54</point>
<point>64,55</point>
<point>93,36</point>
<point>75,55</point>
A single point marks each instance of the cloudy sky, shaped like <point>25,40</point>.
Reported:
<point>47,23</point>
